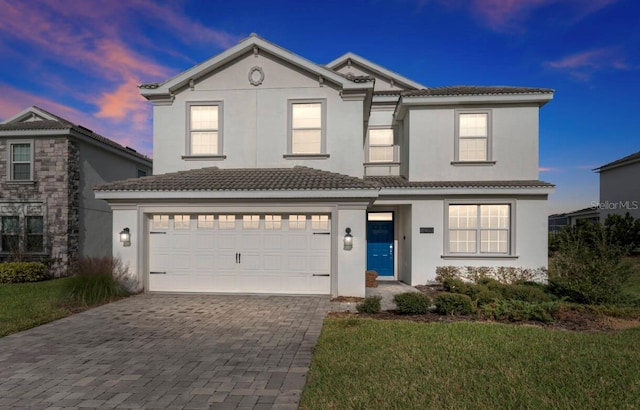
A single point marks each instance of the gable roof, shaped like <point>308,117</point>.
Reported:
<point>37,119</point>
<point>298,178</point>
<point>254,42</point>
<point>629,159</point>
<point>375,68</point>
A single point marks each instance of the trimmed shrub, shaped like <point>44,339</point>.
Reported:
<point>19,272</point>
<point>412,303</point>
<point>518,311</point>
<point>369,305</point>
<point>477,274</point>
<point>486,296</point>
<point>444,273</point>
<point>453,304</point>
<point>96,280</point>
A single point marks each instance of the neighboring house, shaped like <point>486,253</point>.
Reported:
<point>559,221</point>
<point>280,175</point>
<point>620,187</point>
<point>48,170</point>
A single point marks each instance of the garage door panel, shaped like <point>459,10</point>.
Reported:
<point>241,259</point>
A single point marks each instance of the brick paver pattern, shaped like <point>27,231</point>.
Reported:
<point>157,351</point>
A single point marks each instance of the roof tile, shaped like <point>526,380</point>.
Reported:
<point>401,182</point>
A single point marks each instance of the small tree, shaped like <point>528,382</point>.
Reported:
<point>623,231</point>
<point>588,266</point>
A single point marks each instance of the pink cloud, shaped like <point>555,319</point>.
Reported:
<point>13,100</point>
<point>548,169</point>
<point>512,15</point>
<point>582,65</point>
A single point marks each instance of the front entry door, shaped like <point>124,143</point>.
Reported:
<point>380,243</point>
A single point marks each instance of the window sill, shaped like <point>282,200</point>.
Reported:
<point>204,157</point>
<point>13,182</point>
<point>472,163</point>
<point>479,256</point>
<point>305,156</point>
<point>382,164</point>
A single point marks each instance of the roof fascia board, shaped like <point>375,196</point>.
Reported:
<point>35,133</point>
<point>394,192</point>
<point>429,101</point>
<point>292,194</point>
<point>618,165</point>
<point>217,61</point>
<point>377,69</point>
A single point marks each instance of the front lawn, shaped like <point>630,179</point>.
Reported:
<point>26,305</point>
<point>365,363</point>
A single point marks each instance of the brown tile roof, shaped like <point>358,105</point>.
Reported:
<point>401,182</point>
<point>475,90</point>
<point>62,124</point>
<point>241,179</point>
<point>621,161</point>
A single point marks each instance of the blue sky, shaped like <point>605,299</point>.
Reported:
<point>83,59</point>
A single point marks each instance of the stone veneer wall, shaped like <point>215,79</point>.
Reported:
<point>56,174</point>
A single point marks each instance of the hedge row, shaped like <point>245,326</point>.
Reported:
<point>19,272</point>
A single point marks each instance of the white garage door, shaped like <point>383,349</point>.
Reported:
<point>253,253</point>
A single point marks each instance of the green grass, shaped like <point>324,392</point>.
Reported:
<point>26,305</point>
<point>634,280</point>
<point>365,363</point>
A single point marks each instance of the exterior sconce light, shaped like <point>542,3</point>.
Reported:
<point>125,237</point>
<point>348,240</point>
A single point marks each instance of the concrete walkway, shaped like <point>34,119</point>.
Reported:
<point>166,352</point>
<point>387,290</point>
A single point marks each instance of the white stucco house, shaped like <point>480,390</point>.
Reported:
<point>274,174</point>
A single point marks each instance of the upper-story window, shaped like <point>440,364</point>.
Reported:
<point>473,136</point>
<point>381,145</point>
<point>20,161</point>
<point>205,129</point>
<point>307,127</point>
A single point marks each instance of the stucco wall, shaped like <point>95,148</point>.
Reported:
<point>255,123</point>
<point>98,166</point>
<point>620,191</point>
<point>514,145</point>
<point>427,249</point>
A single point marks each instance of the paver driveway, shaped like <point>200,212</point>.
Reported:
<point>166,351</point>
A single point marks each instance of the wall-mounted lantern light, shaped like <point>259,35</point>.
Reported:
<point>348,240</point>
<point>125,237</point>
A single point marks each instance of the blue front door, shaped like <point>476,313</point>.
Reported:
<point>380,244</point>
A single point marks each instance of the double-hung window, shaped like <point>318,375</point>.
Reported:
<point>34,234</point>
<point>307,127</point>
<point>473,136</point>
<point>10,234</point>
<point>205,129</point>
<point>21,161</point>
<point>479,229</point>
<point>381,145</point>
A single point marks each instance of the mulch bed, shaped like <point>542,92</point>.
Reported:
<point>565,319</point>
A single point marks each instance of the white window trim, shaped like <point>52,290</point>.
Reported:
<point>396,152</point>
<point>214,156</point>
<point>10,145</point>
<point>323,132</point>
<point>489,159</point>
<point>478,255</point>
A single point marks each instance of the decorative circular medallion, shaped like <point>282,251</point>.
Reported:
<point>256,76</point>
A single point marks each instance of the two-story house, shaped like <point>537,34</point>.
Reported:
<point>48,170</point>
<point>275,174</point>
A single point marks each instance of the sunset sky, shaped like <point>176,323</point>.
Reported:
<point>83,60</point>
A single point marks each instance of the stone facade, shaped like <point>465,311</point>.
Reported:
<point>53,194</point>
